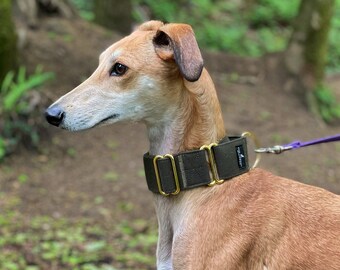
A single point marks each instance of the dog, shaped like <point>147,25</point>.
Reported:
<point>254,220</point>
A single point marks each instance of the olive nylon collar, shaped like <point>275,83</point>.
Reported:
<point>210,165</point>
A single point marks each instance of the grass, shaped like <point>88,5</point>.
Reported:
<point>43,242</point>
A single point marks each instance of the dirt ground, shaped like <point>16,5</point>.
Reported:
<point>99,173</point>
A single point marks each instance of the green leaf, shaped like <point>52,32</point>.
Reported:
<point>16,93</point>
<point>111,176</point>
<point>10,266</point>
<point>21,75</point>
<point>95,246</point>
<point>23,178</point>
<point>141,173</point>
<point>38,69</point>
<point>71,152</point>
<point>8,80</point>
<point>2,148</point>
<point>32,267</point>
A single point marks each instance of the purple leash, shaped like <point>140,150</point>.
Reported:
<point>278,149</point>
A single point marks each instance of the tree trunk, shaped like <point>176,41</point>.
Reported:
<point>61,7</point>
<point>28,11</point>
<point>306,55</point>
<point>114,14</point>
<point>8,46</point>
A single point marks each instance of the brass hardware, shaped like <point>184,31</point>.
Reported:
<point>174,170</point>
<point>212,164</point>
<point>257,145</point>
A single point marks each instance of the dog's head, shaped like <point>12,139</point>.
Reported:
<point>137,78</point>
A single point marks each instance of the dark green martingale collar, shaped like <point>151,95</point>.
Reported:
<point>210,165</point>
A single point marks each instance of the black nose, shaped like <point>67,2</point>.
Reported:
<point>54,115</point>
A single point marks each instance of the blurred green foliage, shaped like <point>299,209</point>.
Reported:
<point>334,41</point>
<point>85,8</point>
<point>246,28</point>
<point>328,107</point>
<point>15,107</point>
<point>273,12</point>
<point>232,26</point>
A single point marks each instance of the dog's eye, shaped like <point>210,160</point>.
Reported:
<point>118,69</point>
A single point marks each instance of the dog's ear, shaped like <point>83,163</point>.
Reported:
<point>150,25</point>
<point>177,42</point>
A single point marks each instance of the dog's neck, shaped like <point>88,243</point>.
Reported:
<point>194,120</point>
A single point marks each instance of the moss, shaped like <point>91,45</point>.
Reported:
<point>8,50</point>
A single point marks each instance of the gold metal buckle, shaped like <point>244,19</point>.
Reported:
<point>257,145</point>
<point>212,164</point>
<point>174,170</point>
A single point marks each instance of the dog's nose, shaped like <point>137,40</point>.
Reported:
<point>54,115</point>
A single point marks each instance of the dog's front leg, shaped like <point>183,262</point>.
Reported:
<point>164,246</point>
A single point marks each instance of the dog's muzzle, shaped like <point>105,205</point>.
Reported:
<point>54,115</point>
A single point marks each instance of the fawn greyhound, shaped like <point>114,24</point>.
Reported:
<point>254,220</point>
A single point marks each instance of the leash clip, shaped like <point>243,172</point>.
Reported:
<point>277,149</point>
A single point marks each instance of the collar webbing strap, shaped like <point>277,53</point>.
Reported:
<point>212,164</point>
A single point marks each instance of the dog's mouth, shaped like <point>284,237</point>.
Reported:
<point>107,119</point>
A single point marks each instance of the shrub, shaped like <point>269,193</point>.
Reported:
<point>328,107</point>
<point>16,105</point>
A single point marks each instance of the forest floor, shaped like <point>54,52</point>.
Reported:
<point>94,180</point>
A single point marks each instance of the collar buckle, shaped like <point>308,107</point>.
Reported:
<point>174,171</point>
<point>212,164</point>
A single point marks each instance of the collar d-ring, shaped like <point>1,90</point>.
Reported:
<point>257,145</point>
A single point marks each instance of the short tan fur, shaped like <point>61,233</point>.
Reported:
<point>253,221</point>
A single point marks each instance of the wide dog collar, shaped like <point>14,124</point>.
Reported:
<point>210,165</point>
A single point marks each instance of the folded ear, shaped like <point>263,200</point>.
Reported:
<point>177,42</point>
